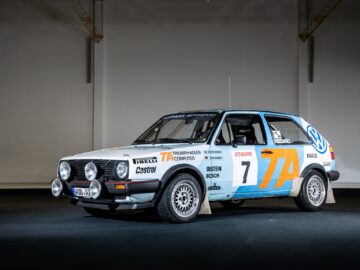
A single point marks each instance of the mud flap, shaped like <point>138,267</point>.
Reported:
<point>330,194</point>
<point>205,207</point>
<point>296,186</point>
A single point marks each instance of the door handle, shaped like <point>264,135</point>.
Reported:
<point>268,152</point>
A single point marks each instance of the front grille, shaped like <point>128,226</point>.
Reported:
<point>106,169</point>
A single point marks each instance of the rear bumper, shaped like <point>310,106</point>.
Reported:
<point>333,175</point>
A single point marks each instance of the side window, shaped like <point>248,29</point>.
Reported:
<point>225,136</point>
<point>244,129</point>
<point>286,131</point>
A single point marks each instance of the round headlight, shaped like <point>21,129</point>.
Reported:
<point>122,169</point>
<point>90,171</point>
<point>56,187</point>
<point>95,189</point>
<point>64,170</point>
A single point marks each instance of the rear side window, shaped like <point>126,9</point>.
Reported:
<point>285,131</point>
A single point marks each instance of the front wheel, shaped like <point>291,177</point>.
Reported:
<point>181,199</point>
<point>312,196</point>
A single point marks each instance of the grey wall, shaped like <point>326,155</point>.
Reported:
<point>45,104</point>
<point>333,98</point>
<point>159,57</point>
<point>161,66</point>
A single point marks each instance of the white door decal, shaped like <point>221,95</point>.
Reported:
<point>245,167</point>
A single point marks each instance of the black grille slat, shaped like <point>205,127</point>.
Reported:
<point>106,169</point>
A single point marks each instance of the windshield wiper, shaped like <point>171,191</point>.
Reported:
<point>172,140</point>
<point>140,142</point>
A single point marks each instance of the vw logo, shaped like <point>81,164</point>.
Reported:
<point>319,143</point>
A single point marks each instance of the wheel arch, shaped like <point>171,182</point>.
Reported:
<point>175,170</point>
<point>314,167</point>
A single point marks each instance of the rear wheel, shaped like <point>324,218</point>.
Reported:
<point>181,200</point>
<point>313,192</point>
<point>98,212</point>
<point>232,204</point>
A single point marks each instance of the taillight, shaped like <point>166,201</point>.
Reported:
<point>332,153</point>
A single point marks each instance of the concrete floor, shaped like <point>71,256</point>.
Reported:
<point>37,230</point>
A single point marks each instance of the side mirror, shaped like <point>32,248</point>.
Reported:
<point>239,140</point>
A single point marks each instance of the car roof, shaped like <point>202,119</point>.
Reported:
<point>235,110</point>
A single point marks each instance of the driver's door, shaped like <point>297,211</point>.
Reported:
<point>235,153</point>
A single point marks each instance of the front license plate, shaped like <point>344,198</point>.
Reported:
<point>81,192</point>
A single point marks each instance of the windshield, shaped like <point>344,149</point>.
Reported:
<point>179,128</point>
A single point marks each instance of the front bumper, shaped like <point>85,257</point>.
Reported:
<point>115,195</point>
<point>112,206</point>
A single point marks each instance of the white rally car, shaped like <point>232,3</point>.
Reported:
<point>186,160</point>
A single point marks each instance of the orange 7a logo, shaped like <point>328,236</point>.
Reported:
<point>291,158</point>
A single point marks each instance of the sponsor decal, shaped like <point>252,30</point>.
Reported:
<point>212,175</point>
<point>214,187</point>
<point>167,156</point>
<point>213,152</point>
<point>182,153</point>
<point>175,116</point>
<point>290,168</point>
<point>282,141</point>
<point>319,142</point>
<point>148,160</point>
<point>213,169</point>
<point>311,155</point>
<point>179,155</point>
<point>327,164</point>
<point>243,154</point>
<point>276,134</point>
<point>143,170</point>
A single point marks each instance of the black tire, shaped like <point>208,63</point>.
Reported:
<point>303,201</point>
<point>168,210</point>
<point>232,204</point>
<point>98,212</point>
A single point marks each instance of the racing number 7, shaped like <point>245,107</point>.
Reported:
<point>247,164</point>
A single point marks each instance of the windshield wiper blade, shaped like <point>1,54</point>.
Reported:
<point>172,140</point>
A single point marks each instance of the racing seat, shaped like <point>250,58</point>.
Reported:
<point>249,133</point>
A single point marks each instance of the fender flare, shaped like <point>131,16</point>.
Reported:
<point>316,167</point>
<point>186,168</point>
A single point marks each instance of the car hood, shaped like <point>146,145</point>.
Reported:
<point>128,152</point>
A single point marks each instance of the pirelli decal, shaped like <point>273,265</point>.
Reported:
<point>147,160</point>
